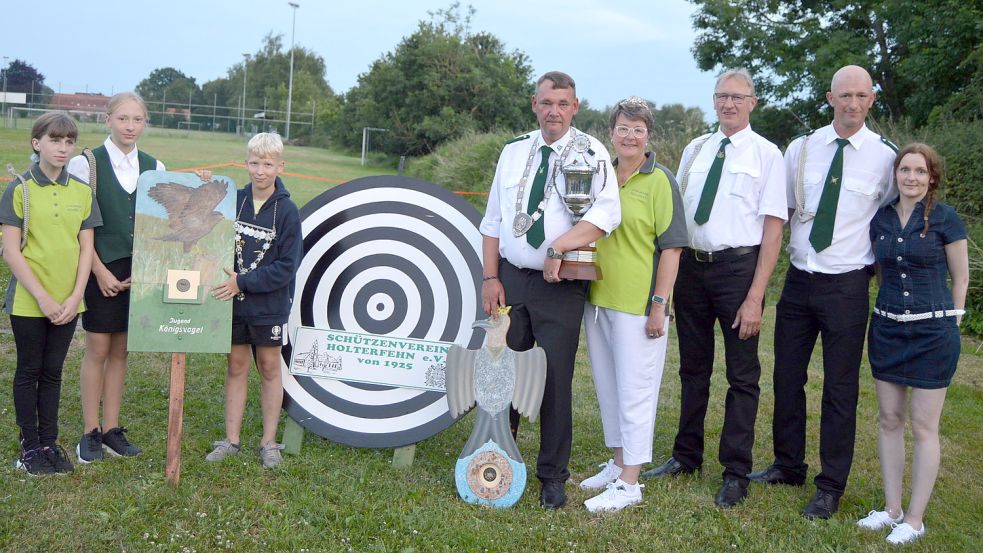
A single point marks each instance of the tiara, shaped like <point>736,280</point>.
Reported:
<point>634,101</point>
<point>504,310</point>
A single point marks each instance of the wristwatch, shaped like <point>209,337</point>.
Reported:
<point>553,254</point>
<point>657,299</point>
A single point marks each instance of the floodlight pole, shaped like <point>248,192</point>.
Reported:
<point>242,113</point>
<point>3,110</point>
<point>290,82</point>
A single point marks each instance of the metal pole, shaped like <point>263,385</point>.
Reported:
<point>365,143</point>
<point>163,108</point>
<point>245,69</point>
<point>290,85</point>
<point>6,67</point>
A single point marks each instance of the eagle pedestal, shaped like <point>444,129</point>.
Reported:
<point>490,470</point>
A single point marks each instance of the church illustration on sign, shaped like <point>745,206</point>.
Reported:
<point>314,362</point>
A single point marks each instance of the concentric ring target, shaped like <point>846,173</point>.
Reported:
<point>384,255</point>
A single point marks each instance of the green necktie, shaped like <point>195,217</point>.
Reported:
<point>537,234</point>
<point>821,235</point>
<point>711,185</point>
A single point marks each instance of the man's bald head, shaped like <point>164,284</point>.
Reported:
<point>853,74</point>
<point>851,96</point>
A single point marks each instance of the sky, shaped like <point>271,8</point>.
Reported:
<point>612,49</point>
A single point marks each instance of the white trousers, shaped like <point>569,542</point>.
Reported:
<point>627,367</point>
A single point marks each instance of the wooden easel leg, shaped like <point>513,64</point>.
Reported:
<point>293,437</point>
<point>403,456</point>
<point>175,419</point>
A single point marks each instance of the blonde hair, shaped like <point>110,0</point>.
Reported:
<point>738,73</point>
<point>265,144</point>
<point>121,98</point>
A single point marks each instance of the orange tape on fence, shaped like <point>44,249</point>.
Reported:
<point>297,175</point>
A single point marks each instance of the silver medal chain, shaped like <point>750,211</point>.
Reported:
<point>524,221</point>
<point>264,235</point>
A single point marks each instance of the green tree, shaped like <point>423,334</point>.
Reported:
<point>914,50</point>
<point>439,83</point>
<point>266,75</point>
<point>168,90</point>
<point>23,77</point>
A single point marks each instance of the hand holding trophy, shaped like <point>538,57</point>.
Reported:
<point>578,176</point>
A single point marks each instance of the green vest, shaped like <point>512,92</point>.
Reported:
<point>114,239</point>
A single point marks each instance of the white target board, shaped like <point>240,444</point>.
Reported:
<point>389,256</point>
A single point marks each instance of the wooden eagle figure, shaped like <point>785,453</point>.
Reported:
<point>490,470</point>
<point>191,211</point>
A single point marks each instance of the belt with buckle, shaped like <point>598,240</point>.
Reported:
<point>911,317</point>
<point>718,256</point>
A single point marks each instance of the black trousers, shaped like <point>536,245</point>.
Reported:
<point>705,294</point>
<point>836,307</point>
<point>548,315</point>
<point>41,350</point>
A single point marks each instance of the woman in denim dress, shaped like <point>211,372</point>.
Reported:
<point>913,342</point>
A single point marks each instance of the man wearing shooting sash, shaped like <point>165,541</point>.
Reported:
<point>837,177</point>
<point>733,187</point>
<point>526,231</point>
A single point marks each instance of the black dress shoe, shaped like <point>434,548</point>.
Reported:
<point>672,467</point>
<point>731,493</point>
<point>775,475</point>
<point>822,505</point>
<point>552,495</point>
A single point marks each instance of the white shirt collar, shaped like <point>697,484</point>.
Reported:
<point>856,139</point>
<point>117,157</point>
<point>738,138</point>
<point>560,143</point>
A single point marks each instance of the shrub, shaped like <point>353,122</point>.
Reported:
<point>465,164</point>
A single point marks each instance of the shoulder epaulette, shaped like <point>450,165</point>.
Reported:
<point>591,151</point>
<point>798,136</point>
<point>516,139</point>
<point>889,144</point>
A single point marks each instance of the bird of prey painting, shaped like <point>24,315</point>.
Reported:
<point>191,211</point>
<point>490,470</point>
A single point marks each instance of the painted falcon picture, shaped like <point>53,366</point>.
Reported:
<point>190,211</point>
<point>490,470</point>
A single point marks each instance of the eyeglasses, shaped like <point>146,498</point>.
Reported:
<point>738,99</point>
<point>637,132</point>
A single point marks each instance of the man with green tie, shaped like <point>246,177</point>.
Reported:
<point>733,186</point>
<point>837,177</point>
<point>525,232</point>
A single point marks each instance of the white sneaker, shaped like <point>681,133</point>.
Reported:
<point>616,497</point>
<point>609,473</point>
<point>904,533</point>
<point>876,520</point>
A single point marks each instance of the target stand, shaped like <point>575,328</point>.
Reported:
<point>388,256</point>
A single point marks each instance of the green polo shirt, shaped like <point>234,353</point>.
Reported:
<point>58,211</point>
<point>651,221</point>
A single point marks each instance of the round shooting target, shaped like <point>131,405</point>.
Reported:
<point>392,256</point>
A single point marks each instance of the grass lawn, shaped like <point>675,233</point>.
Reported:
<point>335,498</point>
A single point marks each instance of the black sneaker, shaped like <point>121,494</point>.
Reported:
<point>117,445</point>
<point>58,458</point>
<point>35,462</point>
<point>89,448</point>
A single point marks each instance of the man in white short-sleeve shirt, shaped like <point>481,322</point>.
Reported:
<point>522,269</point>
<point>733,187</point>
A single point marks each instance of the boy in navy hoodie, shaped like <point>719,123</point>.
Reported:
<point>268,250</point>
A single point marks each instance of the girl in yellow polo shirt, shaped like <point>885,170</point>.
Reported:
<point>49,272</point>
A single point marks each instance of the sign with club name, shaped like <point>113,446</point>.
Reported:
<point>183,237</point>
<point>403,362</point>
<point>393,259</point>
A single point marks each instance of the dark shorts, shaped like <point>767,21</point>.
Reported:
<point>257,335</point>
<point>104,314</point>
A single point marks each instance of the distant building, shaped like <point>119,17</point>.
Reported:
<point>80,101</point>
